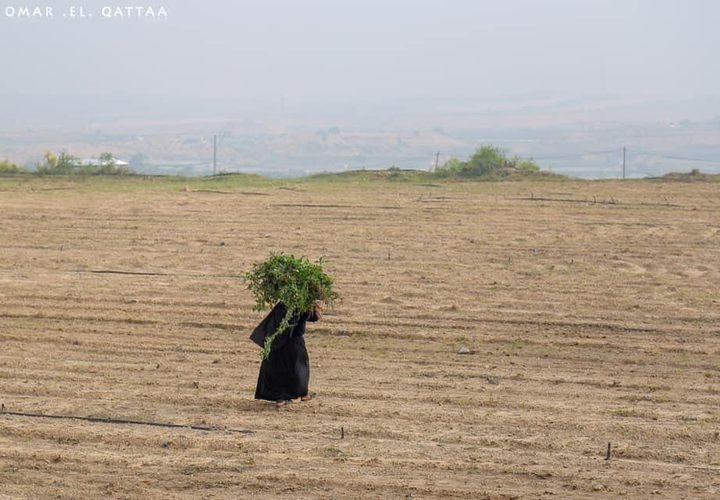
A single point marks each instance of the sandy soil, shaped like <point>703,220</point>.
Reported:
<point>590,311</point>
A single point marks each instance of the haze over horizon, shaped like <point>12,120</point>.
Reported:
<point>324,49</point>
<point>366,65</point>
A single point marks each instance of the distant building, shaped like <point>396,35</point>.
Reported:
<point>97,162</point>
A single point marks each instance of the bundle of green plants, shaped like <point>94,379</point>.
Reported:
<point>296,282</point>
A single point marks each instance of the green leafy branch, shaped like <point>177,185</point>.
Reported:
<point>296,282</point>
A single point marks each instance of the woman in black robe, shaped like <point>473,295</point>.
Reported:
<point>285,374</point>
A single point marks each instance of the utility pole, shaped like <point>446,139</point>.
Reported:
<point>437,161</point>
<point>215,155</point>
<point>623,162</point>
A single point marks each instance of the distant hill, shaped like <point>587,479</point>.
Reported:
<point>692,176</point>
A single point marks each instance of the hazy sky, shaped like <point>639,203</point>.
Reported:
<point>349,50</point>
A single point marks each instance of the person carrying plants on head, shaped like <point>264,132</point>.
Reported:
<point>298,289</point>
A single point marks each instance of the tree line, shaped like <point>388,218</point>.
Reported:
<point>66,164</point>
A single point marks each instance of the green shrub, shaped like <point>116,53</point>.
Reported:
<point>10,168</point>
<point>525,166</point>
<point>57,165</point>
<point>66,164</point>
<point>111,170</point>
<point>488,162</point>
<point>109,166</point>
<point>451,168</point>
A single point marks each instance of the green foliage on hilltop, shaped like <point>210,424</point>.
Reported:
<point>694,175</point>
<point>393,174</point>
<point>53,164</point>
<point>66,164</point>
<point>488,162</point>
<point>10,168</point>
<point>108,166</point>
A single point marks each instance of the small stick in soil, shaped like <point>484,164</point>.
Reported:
<point>607,455</point>
<point>342,432</point>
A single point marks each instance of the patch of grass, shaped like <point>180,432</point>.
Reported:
<point>371,179</point>
<point>393,175</point>
<point>133,183</point>
<point>695,175</point>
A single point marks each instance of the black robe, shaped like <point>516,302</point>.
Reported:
<point>285,374</point>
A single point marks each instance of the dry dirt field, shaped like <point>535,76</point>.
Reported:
<point>590,311</point>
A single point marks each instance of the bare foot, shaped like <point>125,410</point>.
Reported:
<point>280,404</point>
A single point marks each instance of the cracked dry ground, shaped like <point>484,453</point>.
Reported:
<point>589,310</point>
